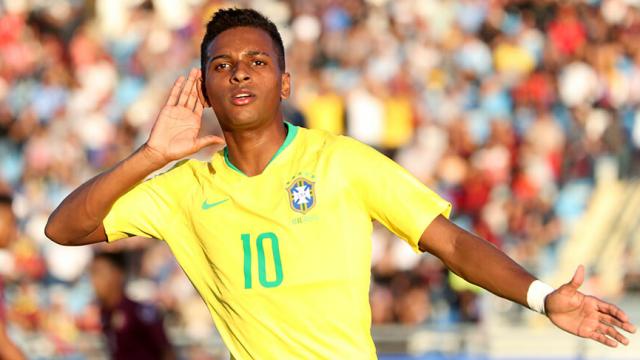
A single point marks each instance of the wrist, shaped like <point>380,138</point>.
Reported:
<point>537,294</point>
<point>153,157</point>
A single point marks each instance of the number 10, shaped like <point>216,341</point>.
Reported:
<point>262,266</point>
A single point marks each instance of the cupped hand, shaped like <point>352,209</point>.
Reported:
<point>587,316</point>
<point>175,132</point>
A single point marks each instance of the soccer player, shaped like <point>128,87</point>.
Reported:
<point>8,350</point>
<point>274,231</point>
<point>133,330</point>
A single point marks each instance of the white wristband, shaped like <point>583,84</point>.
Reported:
<point>538,291</point>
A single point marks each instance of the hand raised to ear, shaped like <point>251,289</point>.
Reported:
<point>175,132</point>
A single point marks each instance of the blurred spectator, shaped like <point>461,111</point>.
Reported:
<point>133,330</point>
<point>8,350</point>
<point>325,109</point>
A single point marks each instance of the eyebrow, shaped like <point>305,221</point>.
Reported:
<point>249,53</point>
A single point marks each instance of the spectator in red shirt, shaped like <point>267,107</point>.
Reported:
<point>134,331</point>
<point>566,32</point>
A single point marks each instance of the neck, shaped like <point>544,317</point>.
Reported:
<point>250,150</point>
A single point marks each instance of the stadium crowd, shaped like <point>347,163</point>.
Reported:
<point>508,108</point>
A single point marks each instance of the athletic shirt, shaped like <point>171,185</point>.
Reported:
<point>282,259</point>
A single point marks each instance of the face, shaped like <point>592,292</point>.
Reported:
<point>105,278</point>
<point>244,83</point>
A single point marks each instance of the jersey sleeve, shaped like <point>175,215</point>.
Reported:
<point>390,194</point>
<point>149,209</point>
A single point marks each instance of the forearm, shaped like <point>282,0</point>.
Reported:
<point>78,219</point>
<point>481,263</point>
<point>476,260</point>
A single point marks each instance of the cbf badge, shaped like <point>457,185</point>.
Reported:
<point>302,195</point>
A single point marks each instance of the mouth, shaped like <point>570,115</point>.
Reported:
<point>242,97</point>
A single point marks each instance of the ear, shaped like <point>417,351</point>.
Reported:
<point>285,89</point>
<point>204,101</point>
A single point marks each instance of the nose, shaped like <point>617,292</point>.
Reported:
<point>240,73</point>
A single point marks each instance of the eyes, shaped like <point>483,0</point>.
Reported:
<point>225,65</point>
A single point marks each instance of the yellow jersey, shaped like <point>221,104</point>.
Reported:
<point>282,259</point>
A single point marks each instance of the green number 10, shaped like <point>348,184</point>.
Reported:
<point>262,266</point>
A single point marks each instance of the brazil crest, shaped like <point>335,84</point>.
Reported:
<point>302,195</point>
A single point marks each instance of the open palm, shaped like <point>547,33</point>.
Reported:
<point>175,132</point>
<point>586,316</point>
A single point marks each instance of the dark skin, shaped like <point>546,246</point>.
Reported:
<point>243,61</point>
<point>254,131</point>
<point>567,308</point>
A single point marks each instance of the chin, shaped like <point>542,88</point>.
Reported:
<point>240,122</point>
<point>243,118</point>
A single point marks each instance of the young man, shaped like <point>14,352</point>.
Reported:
<point>133,330</point>
<point>274,231</point>
<point>8,350</point>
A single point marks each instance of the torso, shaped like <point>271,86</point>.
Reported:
<point>282,259</point>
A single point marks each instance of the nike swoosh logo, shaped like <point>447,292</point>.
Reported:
<point>206,205</point>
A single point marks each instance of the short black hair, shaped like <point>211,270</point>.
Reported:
<point>225,19</point>
<point>116,259</point>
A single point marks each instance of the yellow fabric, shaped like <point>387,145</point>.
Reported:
<point>317,307</point>
<point>398,122</point>
<point>326,112</point>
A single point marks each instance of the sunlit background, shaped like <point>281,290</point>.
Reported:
<point>524,114</point>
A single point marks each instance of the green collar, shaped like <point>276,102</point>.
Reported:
<point>291,134</point>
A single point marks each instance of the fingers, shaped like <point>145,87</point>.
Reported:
<point>199,105</point>
<point>192,100</point>
<point>208,141</point>
<point>578,278</point>
<point>186,92</point>
<point>613,315</point>
<point>601,338</point>
<point>187,89</point>
<point>201,97</point>
<point>198,108</point>
<point>610,320</point>
<point>613,333</point>
<point>175,91</point>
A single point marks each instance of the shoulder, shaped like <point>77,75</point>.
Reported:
<point>329,143</point>
<point>351,152</point>
<point>182,171</point>
<point>188,167</point>
<point>340,150</point>
<point>178,181</point>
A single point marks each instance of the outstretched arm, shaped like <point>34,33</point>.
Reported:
<point>78,219</point>
<point>481,263</point>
